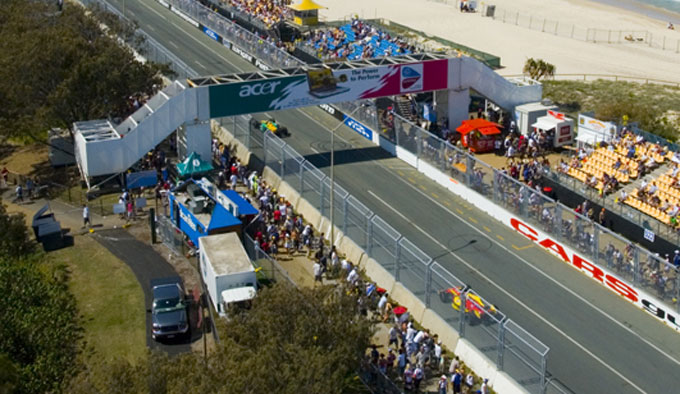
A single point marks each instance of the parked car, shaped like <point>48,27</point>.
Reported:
<point>168,311</point>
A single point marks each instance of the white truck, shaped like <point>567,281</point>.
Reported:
<point>226,270</point>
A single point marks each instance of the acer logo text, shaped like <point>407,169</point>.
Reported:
<point>258,89</point>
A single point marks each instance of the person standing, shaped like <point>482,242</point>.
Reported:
<point>20,193</point>
<point>485,387</point>
<point>86,216</point>
<point>318,271</point>
<point>442,384</point>
<point>456,381</point>
<point>418,376</point>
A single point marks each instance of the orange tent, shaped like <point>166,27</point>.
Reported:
<point>485,134</point>
<point>482,125</point>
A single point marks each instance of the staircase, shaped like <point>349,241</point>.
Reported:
<point>103,149</point>
<point>404,108</point>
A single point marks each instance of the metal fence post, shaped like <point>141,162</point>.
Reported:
<point>369,236</point>
<point>428,284</point>
<point>301,175</point>
<point>321,199</point>
<point>461,309</point>
<point>544,364</point>
<point>596,243</point>
<point>397,257</point>
<point>264,149</point>
<point>283,162</point>
<point>501,346</point>
<point>345,204</point>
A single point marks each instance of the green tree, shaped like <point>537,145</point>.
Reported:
<point>290,341</point>
<point>538,68</point>
<point>15,241</point>
<point>57,68</point>
<point>40,331</point>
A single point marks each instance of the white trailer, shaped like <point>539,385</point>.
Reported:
<point>226,270</point>
<point>557,126</point>
<point>527,114</point>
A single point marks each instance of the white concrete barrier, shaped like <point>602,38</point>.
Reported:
<point>383,278</point>
<point>352,251</point>
<point>406,298</point>
<point>447,334</point>
<point>486,368</point>
<point>378,274</point>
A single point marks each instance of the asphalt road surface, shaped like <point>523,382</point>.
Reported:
<point>598,342</point>
<point>146,264</point>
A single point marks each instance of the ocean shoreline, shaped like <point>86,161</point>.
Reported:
<point>644,9</point>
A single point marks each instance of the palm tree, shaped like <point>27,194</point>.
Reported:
<point>538,68</point>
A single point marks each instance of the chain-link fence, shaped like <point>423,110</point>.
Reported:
<point>170,235</point>
<point>259,51</point>
<point>267,268</point>
<point>474,317</point>
<point>597,243</point>
<point>582,33</point>
<point>149,48</point>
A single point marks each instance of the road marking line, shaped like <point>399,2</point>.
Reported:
<point>538,270</point>
<point>152,10</point>
<point>522,248</point>
<point>500,237</point>
<point>317,152</point>
<point>173,44</point>
<point>555,281</point>
<point>202,66</point>
<point>517,300</point>
<point>488,230</point>
<point>152,29</point>
<point>435,195</point>
<point>473,220</point>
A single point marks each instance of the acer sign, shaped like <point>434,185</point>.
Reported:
<point>608,279</point>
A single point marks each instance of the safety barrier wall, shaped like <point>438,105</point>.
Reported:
<point>432,294</point>
<point>654,281</point>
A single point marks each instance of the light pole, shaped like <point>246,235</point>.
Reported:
<point>332,235</point>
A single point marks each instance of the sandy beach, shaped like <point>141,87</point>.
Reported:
<point>514,44</point>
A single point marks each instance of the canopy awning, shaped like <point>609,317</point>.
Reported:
<point>306,5</point>
<point>482,125</point>
<point>238,294</point>
<point>244,207</point>
<point>193,164</point>
<point>545,123</point>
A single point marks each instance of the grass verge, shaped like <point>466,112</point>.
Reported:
<point>109,298</point>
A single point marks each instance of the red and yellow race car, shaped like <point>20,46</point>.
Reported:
<point>475,307</point>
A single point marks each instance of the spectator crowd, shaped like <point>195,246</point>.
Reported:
<point>270,12</point>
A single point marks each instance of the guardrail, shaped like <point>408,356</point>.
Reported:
<point>511,348</point>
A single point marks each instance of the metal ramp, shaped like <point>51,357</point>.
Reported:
<point>103,149</point>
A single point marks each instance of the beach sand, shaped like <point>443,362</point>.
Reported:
<point>514,44</point>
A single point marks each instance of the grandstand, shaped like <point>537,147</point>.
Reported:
<point>357,40</point>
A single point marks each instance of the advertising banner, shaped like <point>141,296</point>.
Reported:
<point>327,86</point>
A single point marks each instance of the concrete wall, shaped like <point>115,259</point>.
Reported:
<point>378,274</point>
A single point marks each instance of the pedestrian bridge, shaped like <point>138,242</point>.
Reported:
<point>102,148</point>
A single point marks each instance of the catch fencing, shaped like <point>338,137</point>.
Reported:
<point>251,47</point>
<point>148,48</point>
<point>512,348</point>
<point>602,246</point>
